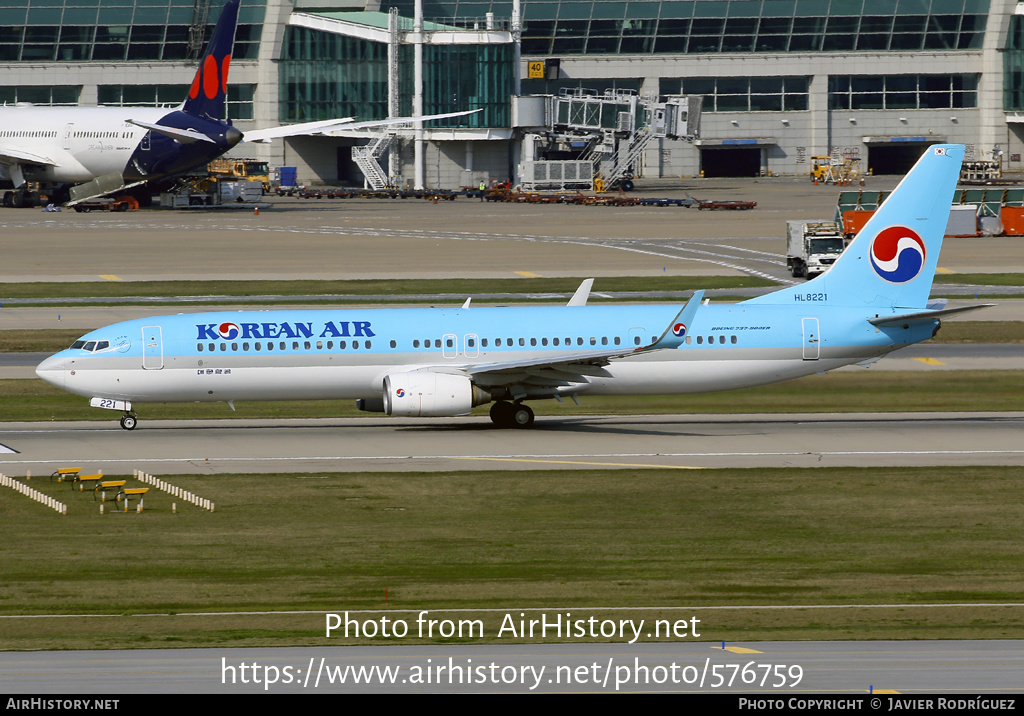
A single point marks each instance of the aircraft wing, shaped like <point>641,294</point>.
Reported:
<point>565,369</point>
<point>291,130</point>
<point>327,126</point>
<point>11,155</point>
<point>549,371</point>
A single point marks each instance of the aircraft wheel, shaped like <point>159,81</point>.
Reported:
<point>501,414</point>
<point>128,422</point>
<point>522,416</point>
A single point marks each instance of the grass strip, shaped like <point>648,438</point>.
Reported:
<point>568,541</point>
<point>981,279</point>
<point>369,287</point>
<point>860,391</point>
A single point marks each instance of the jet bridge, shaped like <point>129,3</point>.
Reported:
<point>581,132</point>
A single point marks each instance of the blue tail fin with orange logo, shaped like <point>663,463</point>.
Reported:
<point>892,261</point>
<point>206,96</point>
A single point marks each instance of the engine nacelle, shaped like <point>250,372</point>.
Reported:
<point>423,394</point>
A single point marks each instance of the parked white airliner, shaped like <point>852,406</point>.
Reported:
<point>444,361</point>
<point>104,149</point>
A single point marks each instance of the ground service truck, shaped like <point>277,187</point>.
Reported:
<point>812,247</point>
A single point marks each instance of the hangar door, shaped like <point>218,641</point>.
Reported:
<point>731,161</point>
<point>894,157</point>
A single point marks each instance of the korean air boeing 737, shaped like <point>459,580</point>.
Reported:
<point>440,362</point>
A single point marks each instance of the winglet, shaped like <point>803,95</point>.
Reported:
<point>675,333</point>
<point>582,293</point>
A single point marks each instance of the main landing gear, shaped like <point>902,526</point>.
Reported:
<point>129,421</point>
<point>511,415</point>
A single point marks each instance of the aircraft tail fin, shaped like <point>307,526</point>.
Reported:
<point>891,263</point>
<point>207,95</point>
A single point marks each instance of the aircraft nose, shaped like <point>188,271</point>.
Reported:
<point>232,136</point>
<point>52,370</point>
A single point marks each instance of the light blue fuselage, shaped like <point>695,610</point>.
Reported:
<point>328,354</point>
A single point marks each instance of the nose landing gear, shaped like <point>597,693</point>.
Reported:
<point>129,421</point>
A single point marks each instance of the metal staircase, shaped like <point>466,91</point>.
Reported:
<point>366,158</point>
<point>623,161</point>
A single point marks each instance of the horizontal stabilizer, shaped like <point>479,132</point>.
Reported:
<point>922,316</point>
<point>184,136</point>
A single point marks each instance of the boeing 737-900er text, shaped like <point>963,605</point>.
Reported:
<point>440,362</point>
<point>87,151</point>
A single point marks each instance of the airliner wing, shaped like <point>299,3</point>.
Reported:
<point>291,130</point>
<point>11,155</point>
<point>549,371</point>
<point>327,126</point>
<point>566,369</point>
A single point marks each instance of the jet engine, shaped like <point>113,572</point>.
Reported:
<point>423,394</point>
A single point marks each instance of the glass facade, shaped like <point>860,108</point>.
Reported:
<point>462,77</point>
<point>324,75</point>
<point>744,94</point>
<point>59,94</point>
<point>610,84</point>
<point>570,27</point>
<point>902,91</point>
<point>240,97</point>
<point>1013,66</point>
<point>113,30</point>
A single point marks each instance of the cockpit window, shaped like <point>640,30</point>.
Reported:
<point>91,346</point>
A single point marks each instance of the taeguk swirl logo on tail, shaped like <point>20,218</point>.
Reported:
<point>897,254</point>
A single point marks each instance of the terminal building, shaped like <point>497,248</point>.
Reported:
<point>782,81</point>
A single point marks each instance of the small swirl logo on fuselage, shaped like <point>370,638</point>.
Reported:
<point>228,331</point>
<point>400,392</point>
<point>897,254</point>
<point>679,330</point>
